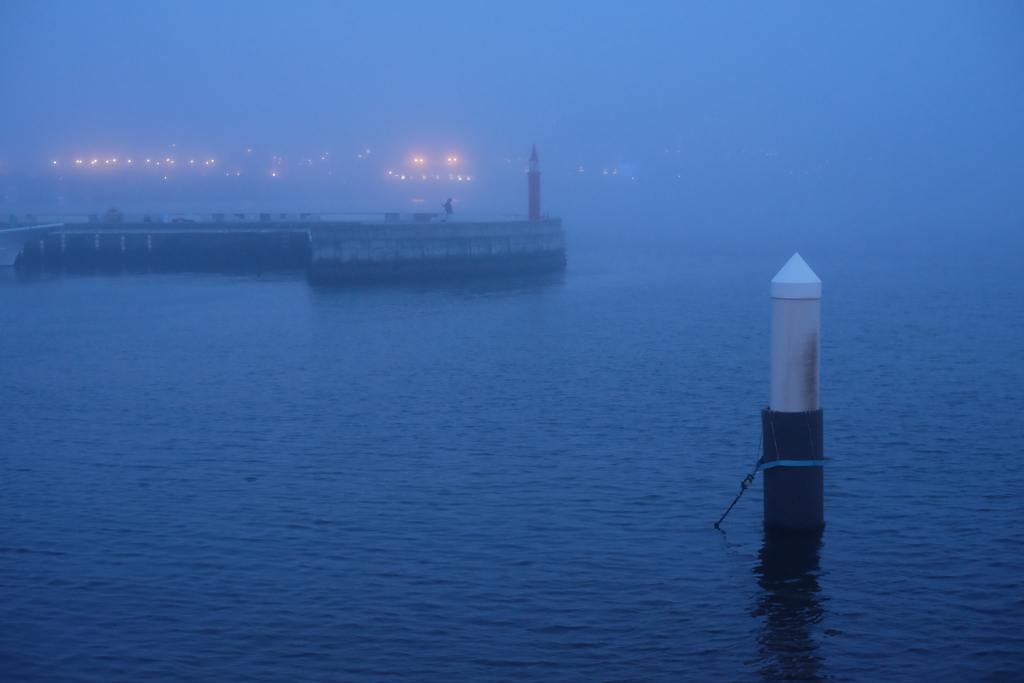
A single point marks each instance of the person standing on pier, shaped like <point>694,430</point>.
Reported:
<point>447,209</point>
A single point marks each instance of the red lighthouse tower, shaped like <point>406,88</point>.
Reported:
<point>534,185</point>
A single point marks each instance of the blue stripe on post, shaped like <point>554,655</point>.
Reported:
<point>792,463</point>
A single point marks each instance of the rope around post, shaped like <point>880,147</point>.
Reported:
<point>744,485</point>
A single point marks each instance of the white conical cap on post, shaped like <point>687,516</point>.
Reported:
<point>796,280</point>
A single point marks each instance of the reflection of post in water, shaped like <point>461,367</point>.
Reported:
<point>790,605</point>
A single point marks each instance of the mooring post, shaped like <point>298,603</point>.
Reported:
<point>792,458</point>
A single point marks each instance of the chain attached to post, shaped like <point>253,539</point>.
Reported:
<point>745,484</point>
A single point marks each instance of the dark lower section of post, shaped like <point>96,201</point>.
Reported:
<point>793,470</point>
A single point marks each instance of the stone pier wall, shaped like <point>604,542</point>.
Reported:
<point>330,249</point>
<point>367,251</point>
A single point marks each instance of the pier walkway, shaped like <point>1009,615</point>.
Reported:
<point>331,245</point>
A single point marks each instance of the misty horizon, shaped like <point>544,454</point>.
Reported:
<point>803,115</point>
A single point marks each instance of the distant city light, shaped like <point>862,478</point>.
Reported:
<point>424,170</point>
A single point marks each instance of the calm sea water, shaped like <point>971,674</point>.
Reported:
<point>240,477</point>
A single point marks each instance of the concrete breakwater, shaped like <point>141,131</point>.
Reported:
<point>395,250</point>
<point>343,247</point>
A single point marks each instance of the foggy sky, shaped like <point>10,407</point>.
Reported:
<point>914,106</point>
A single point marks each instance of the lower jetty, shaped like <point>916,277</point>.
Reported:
<point>331,247</point>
